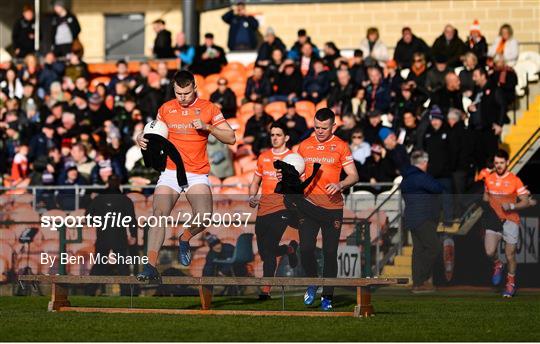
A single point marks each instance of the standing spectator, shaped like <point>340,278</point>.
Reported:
<point>296,125</point>
<point>488,113</point>
<point>449,96</point>
<point>163,41</point>
<point>209,58</point>
<point>316,84</point>
<point>184,51</point>
<point>225,99</point>
<point>288,86</point>
<point>505,78</point>
<point>374,49</point>
<point>506,45</point>
<point>52,71</point>
<point>302,38</point>
<point>407,46</point>
<point>258,88</point>
<point>257,129</point>
<point>360,149</point>
<point>22,34</point>
<point>243,28</point>
<point>341,93</point>
<point>377,91</point>
<point>449,46</point>
<point>65,28</point>
<point>470,62</point>
<point>477,43</point>
<point>435,75</point>
<point>421,214</point>
<point>271,43</point>
<point>436,142</point>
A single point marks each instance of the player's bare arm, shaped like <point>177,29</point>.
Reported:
<point>223,131</point>
<point>253,190</point>
<point>351,179</point>
<point>522,203</point>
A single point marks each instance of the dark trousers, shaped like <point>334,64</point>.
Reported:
<point>461,181</point>
<point>329,222</point>
<point>104,247</point>
<point>426,249</point>
<point>447,199</point>
<point>269,229</point>
<point>62,50</point>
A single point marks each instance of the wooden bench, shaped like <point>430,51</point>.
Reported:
<point>60,302</point>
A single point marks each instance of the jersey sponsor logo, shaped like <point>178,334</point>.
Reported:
<point>320,160</point>
<point>267,160</point>
<point>218,117</point>
<point>181,126</point>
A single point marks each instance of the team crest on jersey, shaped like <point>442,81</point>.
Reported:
<point>332,148</point>
<point>197,112</point>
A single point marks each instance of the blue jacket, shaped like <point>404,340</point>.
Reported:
<point>420,192</point>
<point>242,31</point>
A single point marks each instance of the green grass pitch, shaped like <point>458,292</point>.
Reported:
<point>445,316</point>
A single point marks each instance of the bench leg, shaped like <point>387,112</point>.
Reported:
<point>59,297</point>
<point>205,294</point>
<point>363,306</point>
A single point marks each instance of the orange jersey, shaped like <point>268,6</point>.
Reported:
<point>190,142</point>
<point>504,189</point>
<point>270,202</point>
<point>333,155</point>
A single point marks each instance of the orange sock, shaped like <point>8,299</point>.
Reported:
<point>266,289</point>
<point>186,236</point>
<point>152,257</point>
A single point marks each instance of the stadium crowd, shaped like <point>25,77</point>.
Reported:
<point>59,126</point>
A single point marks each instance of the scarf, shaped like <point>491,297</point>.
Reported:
<point>500,47</point>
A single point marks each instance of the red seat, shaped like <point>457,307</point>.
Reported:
<point>99,80</point>
<point>276,109</point>
<point>306,109</point>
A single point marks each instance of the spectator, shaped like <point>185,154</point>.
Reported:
<point>421,218</point>
<point>344,131</point>
<point>65,29</point>
<point>209,58</point>
<point>258,88</point>
<point>436,142</point>
<point>225,99</point>
<point>69,128</point>
<point>435,75</point>
<point>122,75</point>
<point>302,38</point>
<point>52,71</point>
<point>331,54</point>
<point>465,76</point>
<point>374,49</point>
<point>341,93</point>
<point>274,67</point>
<point>288,86</point>
<point>449,47</point>
<point>184,51</point>
<point>377,169</point>
<point>404,102</point>
<point>80,108</point>
<point>99,113</point>
<point>407,46</point>
<point>477,43</point>
<point>271,43</point>
<point>81,160</point>
<point>448,97</point>
<point>505,78</point>
<point>30,70</point>
<point>22,34</point>
<point>166,86</point>
<point>487,116</point>
<point>392,78</point>
<point>220,157</point>
<point>12,86</point>
<point>30,101</point>
<point>360,149</point>
<point>296,125</point>
<point>358,69</point>
<point>416,79</point>
<point>316,84</point>
<point>409,134</point>
<point>393,150</point>
<point>163,41</point>
<point>306,59</point>
<point>149,96</point>
<point>377,91</point>
<point>243,28</point>
<point>506,45</point>
<point>359,104</point>
<point>19,167</point>
<point>66,197</point>
<point>76,68</point>
<point>371,125</point>
<point>105,167</point>
<point>256,131</point>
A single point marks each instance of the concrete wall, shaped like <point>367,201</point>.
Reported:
<point>344,23</point>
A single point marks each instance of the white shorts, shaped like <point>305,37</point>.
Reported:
<point>510,232</point>
<point>168,178</point>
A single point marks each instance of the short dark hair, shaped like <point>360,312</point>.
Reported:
<point>325,114</point>
<point>184,78</point>
<point>406,28</point>
<point>358,53</point>
<point>481,70</point>
<point>209,35</point>
<point>159,21</point>
<point>301,33</point>
<point>280,126</point>
<point>122,61</point>
<point>501,153</point>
